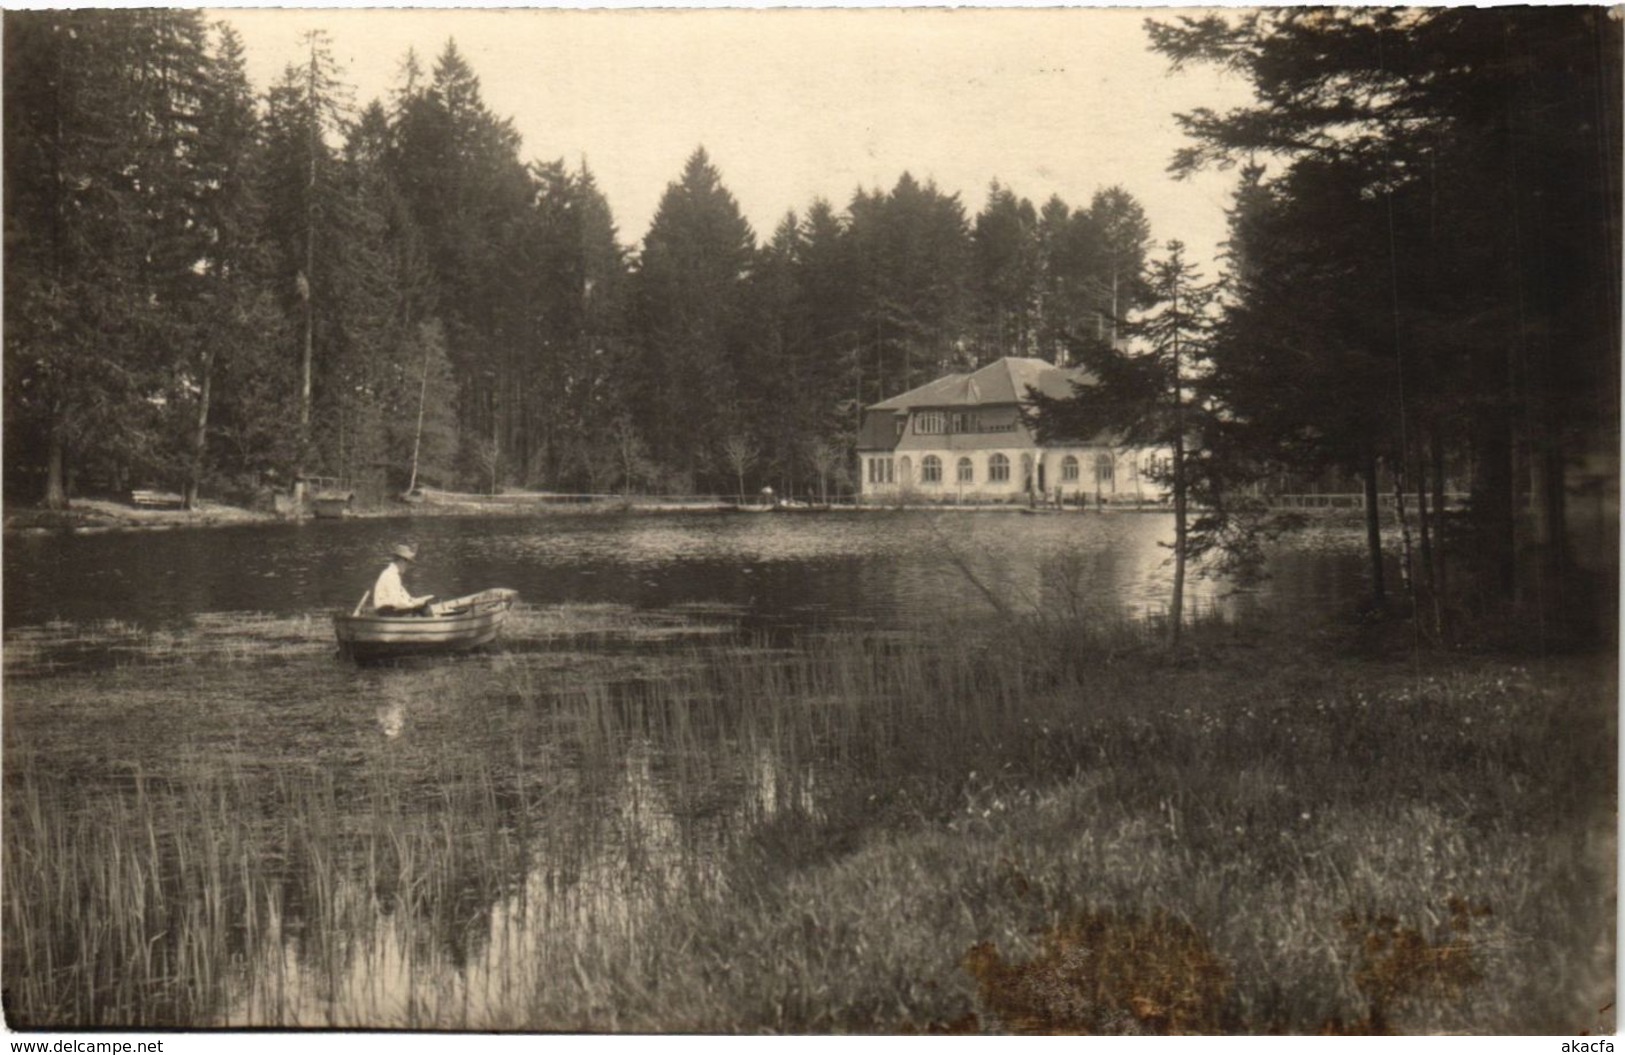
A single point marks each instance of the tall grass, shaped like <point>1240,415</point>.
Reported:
<point>1357,846</point>
<point>1058,829</point>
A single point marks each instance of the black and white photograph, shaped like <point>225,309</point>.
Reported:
<point>807,522</point>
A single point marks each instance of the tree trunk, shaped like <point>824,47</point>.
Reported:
<point>417,438</point>
<point>306,281</point>
<point>1495,502</point>
<point>1176,605</point>
<point>200,437</point>
<point>1441,581</point>
<point>1373,532</point>
<point>1425,519</point>
<point>1407,566</point>
<point>56,494</point>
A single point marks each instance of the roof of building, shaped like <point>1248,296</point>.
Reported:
<point>1001,381</point>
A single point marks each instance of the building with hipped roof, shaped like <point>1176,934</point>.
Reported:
<point>961,438</point>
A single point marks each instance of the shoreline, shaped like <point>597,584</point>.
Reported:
<point>90,516</point>
<point>93,516</point>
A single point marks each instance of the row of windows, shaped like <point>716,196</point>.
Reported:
<point>883,471</point>
<point>943,422</point>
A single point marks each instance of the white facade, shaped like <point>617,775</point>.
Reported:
<point>962,439</point>
<point>1082,474</point>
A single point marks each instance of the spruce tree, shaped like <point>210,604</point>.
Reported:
<point>691,286</point>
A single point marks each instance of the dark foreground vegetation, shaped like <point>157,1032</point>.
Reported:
<point>1270,830</point>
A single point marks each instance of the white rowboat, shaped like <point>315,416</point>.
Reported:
<point>452,626</point>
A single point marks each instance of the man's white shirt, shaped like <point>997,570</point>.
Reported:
<point>390,592</point>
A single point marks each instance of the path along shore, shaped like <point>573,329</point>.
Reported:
<point>90,516</point>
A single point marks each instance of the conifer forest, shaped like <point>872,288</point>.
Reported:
<point>220,290</point>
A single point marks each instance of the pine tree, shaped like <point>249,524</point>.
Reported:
<point>1148,393</point>
<point>1474,156</point>
<point>458,166</point>
<point>777,390</point>
<point>102,132</point>
<point>575,271</point>
<point>305,112</point>
<point>1051,311</point>
<point>381,296</point>
<point>237,316</point>
<point>690,286</point>
<point>827,282</point>
<point>1007,262</point>
<point>910,253</point>
<point>1115,238</point>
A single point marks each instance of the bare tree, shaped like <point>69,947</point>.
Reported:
<point>740,453</point>
<point>488,457</point>
<point>631,454</point>
<point>827,460</point>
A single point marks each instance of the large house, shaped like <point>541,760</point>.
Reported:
<point>961,438</point>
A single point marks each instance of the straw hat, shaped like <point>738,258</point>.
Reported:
<point>405,552</point>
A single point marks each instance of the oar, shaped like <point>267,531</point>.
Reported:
<point>361,603</point>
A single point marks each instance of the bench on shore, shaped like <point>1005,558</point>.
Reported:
<point>157,499</point>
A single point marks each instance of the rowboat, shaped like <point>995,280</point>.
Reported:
<point>451,626</point>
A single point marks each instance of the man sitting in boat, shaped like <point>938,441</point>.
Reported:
<point>389,594</point>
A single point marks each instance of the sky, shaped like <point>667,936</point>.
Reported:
<point>797,104</point>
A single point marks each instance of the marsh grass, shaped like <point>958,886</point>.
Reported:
<point>1313,830</point>
<point>1060,828</point>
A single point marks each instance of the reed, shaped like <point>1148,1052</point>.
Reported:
<point>1353,848</point>
<point>1057,828</point>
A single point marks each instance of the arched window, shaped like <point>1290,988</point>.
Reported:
<point>1069,470</point>
<point>998,469</point>
<point>905,471</point>
<point>1103,469</point>
<point>967,475</point>
<point>931,469</point>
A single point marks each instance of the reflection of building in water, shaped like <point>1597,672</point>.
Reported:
<point>987,565</point>
<point>962,437</point>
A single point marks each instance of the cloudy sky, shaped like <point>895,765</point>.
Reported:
<point>796,104</point>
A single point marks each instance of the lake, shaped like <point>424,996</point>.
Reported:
<point>427,845</point>
<point>871,568</point>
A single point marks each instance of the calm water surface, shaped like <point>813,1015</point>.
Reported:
<point>182,655</point>
<point>874,568</point>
